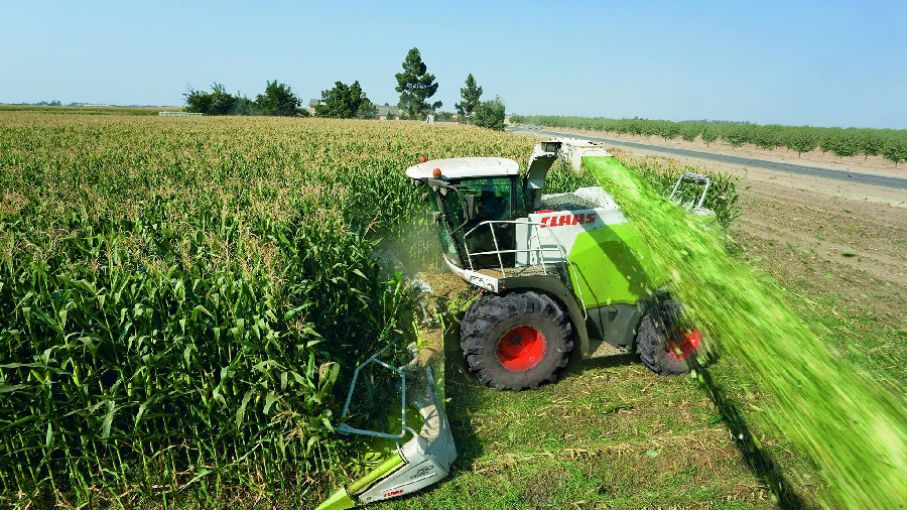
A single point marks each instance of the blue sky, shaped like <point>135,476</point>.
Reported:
<point>792,62</point>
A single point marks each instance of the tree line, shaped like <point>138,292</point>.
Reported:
<point>415,85</point>
<point>888,143</point>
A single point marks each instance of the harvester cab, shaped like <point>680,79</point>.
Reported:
<point>558,270</point>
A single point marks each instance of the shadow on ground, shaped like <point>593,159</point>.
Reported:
<point>759,461</point>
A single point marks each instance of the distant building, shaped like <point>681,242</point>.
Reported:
<point>383,111</point>
<point>312,104</point>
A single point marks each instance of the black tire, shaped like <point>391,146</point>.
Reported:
<point>658,326</point>
<point>492,318</point>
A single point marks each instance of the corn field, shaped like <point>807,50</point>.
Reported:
<point>179,298</point>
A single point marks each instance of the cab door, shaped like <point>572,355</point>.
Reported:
<point>479,206</point>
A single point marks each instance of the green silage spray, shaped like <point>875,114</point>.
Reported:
<point>851,429</point>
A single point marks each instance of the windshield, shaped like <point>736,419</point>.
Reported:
<point>484,199</point>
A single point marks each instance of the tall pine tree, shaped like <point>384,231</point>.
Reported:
<point>471,94</point>
<point>415,85</point>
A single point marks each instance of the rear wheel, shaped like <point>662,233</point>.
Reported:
<point>516,341</point>
<point>663,344</point>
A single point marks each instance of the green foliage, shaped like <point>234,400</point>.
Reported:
<point>216,102</point>
<point>490,114</point>
<point>471,95</point>
<point>346,102</point>
<point>367,109</point>
<point>895,150</point>
<point>415,86</point>
<point>278,99</point>
<point>841,142</point>
<point>669,131</point>
<point>768,138</point>
<point>869,145</point>
<point>737,136</point>
<point>689,132</point>
<point>800,140</point>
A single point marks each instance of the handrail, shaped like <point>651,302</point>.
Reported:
<point>539,250</point>
<point>490,224</point>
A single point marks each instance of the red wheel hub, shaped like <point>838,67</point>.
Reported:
<point>521,348</point>
<point>684,345</point>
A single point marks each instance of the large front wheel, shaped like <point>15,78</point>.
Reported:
<point>516,341</point>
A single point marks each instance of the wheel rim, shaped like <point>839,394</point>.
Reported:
<point>684,345</point>
<point>521,348</point>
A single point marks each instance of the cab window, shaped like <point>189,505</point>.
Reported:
<point>486,199</point>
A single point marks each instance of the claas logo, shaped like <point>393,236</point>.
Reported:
<point>393,493</point>
<point>568,219</point>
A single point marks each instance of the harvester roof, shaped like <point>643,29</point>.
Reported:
<point>459,168</point>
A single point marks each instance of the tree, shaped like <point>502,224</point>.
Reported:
<point>245,106</point>
<point>895,150</point>
<point>471,94</point>
<point>689,132</point>
<point>490,114</point>
<point>870,143</point>
<point>216,102</point>
<point>367,109</point>
<point>801,140</point>
<point>668,130</point>
<point>278,99</point>
<point>738,136</point>
<point>709,135</point>
<point>415,85</point>
<point>767,137</point>
<point>840,144</point>
<point>346,102</point>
